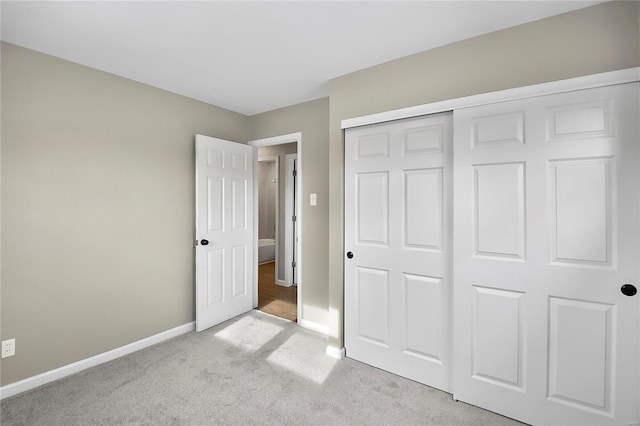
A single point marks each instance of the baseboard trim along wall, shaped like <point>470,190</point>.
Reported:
<point>282,283</point>
<point>67,370</point>
<point>337,353</point>
<point>314,326</point>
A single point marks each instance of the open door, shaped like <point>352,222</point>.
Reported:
<point>224,230</point>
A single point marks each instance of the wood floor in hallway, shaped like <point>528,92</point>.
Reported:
<point>275,299</point>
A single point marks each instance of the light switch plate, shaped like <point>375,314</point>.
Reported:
<point>313,199</point>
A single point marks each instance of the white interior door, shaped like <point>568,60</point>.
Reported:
<point>224,230</point>
<point>545,234</point>
<point>397,235</point>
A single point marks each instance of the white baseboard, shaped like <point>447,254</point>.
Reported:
<point>283,283</point>
<point>310,325</point>
<point>337,353</point>
<point>69,369</point>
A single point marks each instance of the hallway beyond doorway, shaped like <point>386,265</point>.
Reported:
<point>274,299</point>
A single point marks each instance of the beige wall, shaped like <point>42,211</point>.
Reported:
<point>98,171</point>
<point>281,152</point>
<point>97,209</point>
<point>597,39</point>
<point>310,118</point>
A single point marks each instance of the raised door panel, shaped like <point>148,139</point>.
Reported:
<point>581,208</point>
<point>424,139</point>
<point>239,161</point>
<point>424,321</point>
<point>579,121</point>
<point>423,209</point>
<point>372,146</point>
<point>239,203</point>
<point>216,158</point>
<point>498,337</point>
<point>239,267</point>
<point>499,222</point>
<point>215,203</point>
<point>372,204</point>
<point>372,305</point>
<point>215,282</point>
<point>498,129</point>
<point>580,349</point>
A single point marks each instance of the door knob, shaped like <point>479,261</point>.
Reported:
<point>628,289</point>
<point>349,255</point>
<point>204,242</point>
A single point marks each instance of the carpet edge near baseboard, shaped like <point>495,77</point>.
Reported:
<point>41,379</point>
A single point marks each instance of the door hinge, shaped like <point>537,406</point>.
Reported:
<point>293,218</point>
<point>293,264</point>
<point>295,173</point>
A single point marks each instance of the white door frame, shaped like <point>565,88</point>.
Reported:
<point>271,159</point>
<point>290,251</point>
<point>279,140</point>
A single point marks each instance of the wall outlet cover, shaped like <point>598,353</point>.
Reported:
<point>8,348</point>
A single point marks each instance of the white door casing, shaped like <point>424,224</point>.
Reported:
<point>225,219</point>
<point>291,234</point>
<point>545,234</point>
<point>397,226</point>
<point>278,140</point>
<point>260,192</point>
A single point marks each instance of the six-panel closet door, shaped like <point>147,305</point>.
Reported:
<point>398,244</point>
<point>541,267</point>
<point>545,235</point>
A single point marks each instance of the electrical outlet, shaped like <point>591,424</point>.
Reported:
<point>8,348</point>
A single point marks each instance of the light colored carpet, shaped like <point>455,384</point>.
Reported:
<point>254,369</point>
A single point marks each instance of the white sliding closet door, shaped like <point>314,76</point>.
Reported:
<point>397,235</point>
<point>546,234</point>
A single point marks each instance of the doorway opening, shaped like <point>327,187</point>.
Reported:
<point>278,219</point>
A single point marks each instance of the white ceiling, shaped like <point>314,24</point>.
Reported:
<point>252,57</point>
